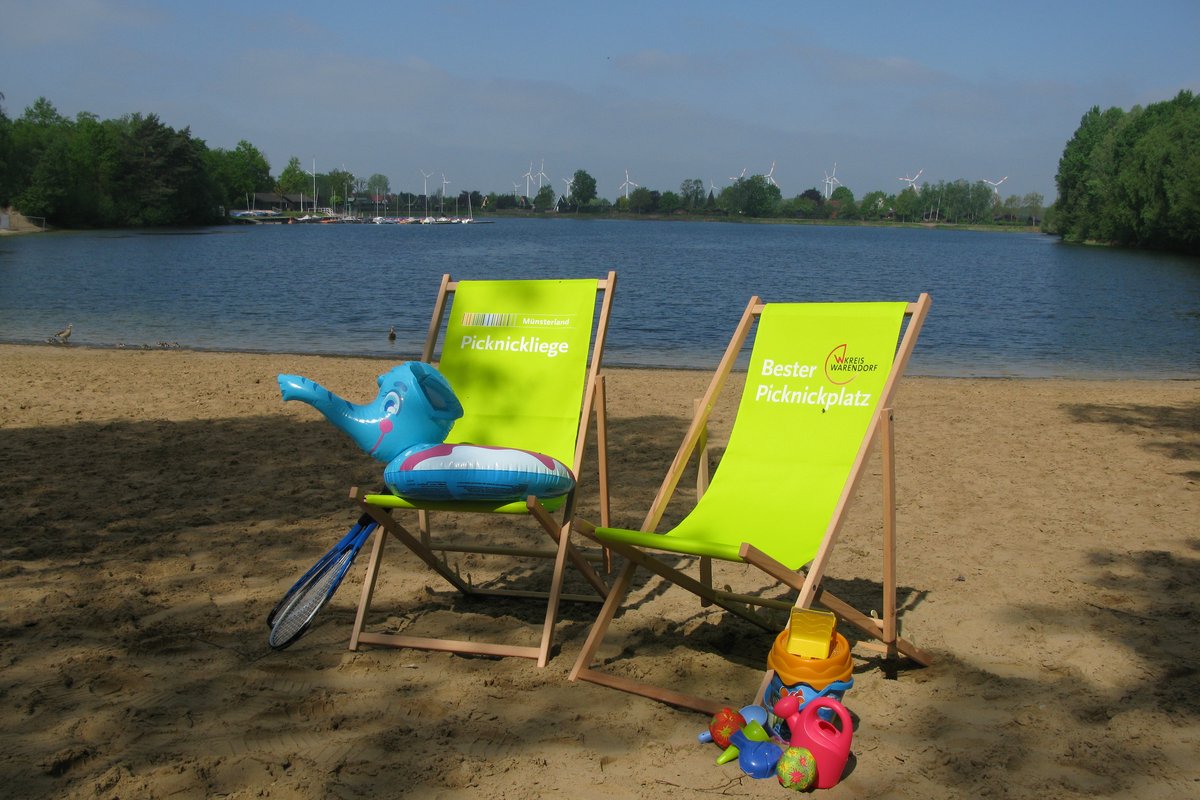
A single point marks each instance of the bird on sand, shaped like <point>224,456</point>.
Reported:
<point>392,333</point>
<point>62,336</point>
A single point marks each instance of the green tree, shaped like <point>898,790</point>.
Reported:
<point>339,186</point>
<point>378,186</point>
<point>163,179</point>
<point>873,205</point>
<point>5,154</point>
<point>39,151</point>
<point>545,197</point>
<point>239,173</point>
<point>803,206</point>
<point>751,197</point>
<point>583,187</point>
<point>1157,185</point>
<point>641,201</point>
<point>691,193</point>
<point>669,203</point>
<point>31,136</point>
<point>293,179</point>
<point>46,190</point>
<point>908,204</point>
<point>1033,207</point>
<point>842,199</point>
<point>1079,181</point>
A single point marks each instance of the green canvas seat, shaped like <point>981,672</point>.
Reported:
<point>818,395</point>
<point>523,357</point>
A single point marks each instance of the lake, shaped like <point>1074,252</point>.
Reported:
<point>1004,304</point>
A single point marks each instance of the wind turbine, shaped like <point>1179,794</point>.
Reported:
<point>738,177</point>
<point>770,176</point>
<point>830,180</point>
<point>445,183</point>
<point>995,184</point>
<point>913,180</point>
<point>541,173</point>
<point>425,191</point>
<point>314,177</point>
<point>626,185</point>
<point>528,176</point>
<point>517,188</point>
<point>570,182</point>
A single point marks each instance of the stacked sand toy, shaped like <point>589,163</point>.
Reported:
<point>810,676</point>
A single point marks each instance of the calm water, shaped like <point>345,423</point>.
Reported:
<point>1003,304</point>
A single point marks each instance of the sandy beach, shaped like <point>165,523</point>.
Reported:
<point>154,505</point>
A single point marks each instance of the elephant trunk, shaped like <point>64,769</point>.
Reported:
<point>350,419</point>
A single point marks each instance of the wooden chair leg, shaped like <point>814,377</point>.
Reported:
<point>556,582</point>
<point>368,588</point>
<point>702,479</point>
<point>602,464</point>
<point>616,594</point>
<point>890,628</point>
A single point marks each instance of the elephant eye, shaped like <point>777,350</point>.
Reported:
<point>391,404</point>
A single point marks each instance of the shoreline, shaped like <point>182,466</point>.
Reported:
<point>1082,374</point>
<point>492,216</point>
<point>154,505</point>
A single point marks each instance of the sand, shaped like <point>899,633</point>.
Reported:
<point>155,504</point>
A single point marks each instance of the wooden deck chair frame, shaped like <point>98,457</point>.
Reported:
<point>381,508</point>
<point>806,582</point>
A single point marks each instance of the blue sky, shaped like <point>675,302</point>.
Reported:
<point>666,90</point>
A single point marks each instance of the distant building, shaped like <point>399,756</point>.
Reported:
<point>272,201</point>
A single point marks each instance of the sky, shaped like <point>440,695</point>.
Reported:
<point>481,93</point>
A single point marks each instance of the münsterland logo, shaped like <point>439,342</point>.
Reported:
<point>536,341</point>
<point>477,319</point>
<point>841,367</point>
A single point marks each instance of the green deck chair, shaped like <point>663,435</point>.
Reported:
<point>818,395</point>
<point>524,358</point>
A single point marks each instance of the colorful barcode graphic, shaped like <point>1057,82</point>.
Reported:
<point>478,319</point>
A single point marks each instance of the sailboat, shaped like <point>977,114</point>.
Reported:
<point>470,217</point>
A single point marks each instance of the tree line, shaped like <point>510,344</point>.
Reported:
<point>1125,177</point>
<point>138,171</point>
<point>1133,177</point>
<point>131,171</point>
<point>756,196</point>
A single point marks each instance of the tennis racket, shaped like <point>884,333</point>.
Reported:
<point>292,615</point>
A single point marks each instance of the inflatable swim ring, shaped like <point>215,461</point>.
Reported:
<point>475,472</point>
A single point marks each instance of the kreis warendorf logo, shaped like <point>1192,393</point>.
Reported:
<point>842,366</point>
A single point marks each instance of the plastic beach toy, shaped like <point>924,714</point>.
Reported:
<point>475,472</point>
<point>797,697</point>
<point>797,769</point>
<point>415,404</point>
<point>815,672</point>
<point>757,755</point>
<point>750,732</point>
<point>810,632</point>
<point>724,724</point>
<point>405,426</point>
<point>829,745</point>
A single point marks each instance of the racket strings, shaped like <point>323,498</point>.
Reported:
<point>294,617</point>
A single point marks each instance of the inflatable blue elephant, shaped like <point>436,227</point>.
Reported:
<point>405,425</point>
<point>415,405</point>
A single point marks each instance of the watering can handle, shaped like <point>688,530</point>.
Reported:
<point>815,727</point>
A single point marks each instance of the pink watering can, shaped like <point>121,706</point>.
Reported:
<point>829,745</point>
